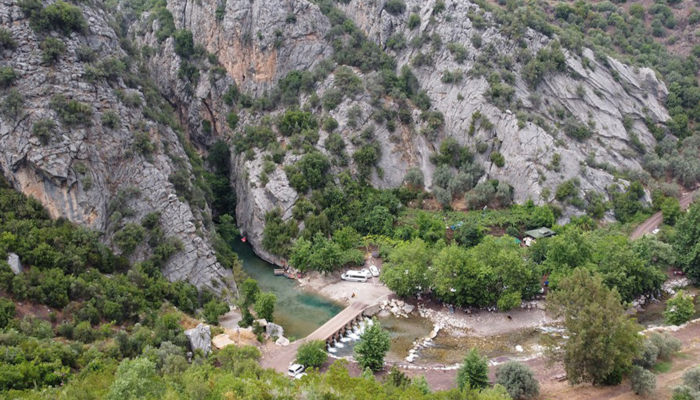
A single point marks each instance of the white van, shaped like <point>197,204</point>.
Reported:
<point>295,369</point>
<point>354,276</point>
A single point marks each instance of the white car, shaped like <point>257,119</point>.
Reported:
<point>655,231</point>
<point>374,270</point>
<point>295,370</point>
<point>299,376</point>
<point>366,272</point>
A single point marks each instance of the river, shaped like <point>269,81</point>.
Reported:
<point>299,312</point>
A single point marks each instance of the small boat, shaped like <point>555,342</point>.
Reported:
<point>279,272</point>
<point>243,239</point>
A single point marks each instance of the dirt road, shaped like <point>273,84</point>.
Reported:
<point>655,220</point>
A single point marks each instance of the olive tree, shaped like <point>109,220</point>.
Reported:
<point>518,379</point>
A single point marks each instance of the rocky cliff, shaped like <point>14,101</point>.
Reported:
<point>88,145</point>
<point>584,117</point>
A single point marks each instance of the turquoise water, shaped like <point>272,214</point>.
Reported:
<point>299,312</point>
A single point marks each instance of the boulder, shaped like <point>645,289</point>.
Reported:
<point>15,265</point>
<point>373,310</point>
<point>282,341</point>
<point>408,308</point>
<point>274,330</point>
<point>200,338</point>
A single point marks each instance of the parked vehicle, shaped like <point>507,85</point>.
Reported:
<point>354,276</point>
<point>374,270</point>
<point>295,369</point>
<point>299,376</point>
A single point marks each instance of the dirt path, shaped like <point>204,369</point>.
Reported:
<point>656,219</point>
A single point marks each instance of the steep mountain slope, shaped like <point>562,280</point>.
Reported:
<point>85,140</point>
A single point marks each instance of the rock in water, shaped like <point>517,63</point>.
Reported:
<point>200,338</point>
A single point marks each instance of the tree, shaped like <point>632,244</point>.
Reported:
<point>406,270</point>
<point>603,341</point>
<point>249,291</point>
<point>213,310</point>
<point>373,346</point>
<point>687,241</point>
<point>265,305</point>
<point>671,210</point>
<point>679,309</point>
<point>474,372</point>
<point>312,354</point>
<point>518,379</point>
<point>136,379</point>
<point>648,356</point>
<point>691,379</point>
<point>643,381</point>
<point>7,312</point>
<point>129,237</point>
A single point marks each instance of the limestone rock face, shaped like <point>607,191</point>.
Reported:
<point>15,264</point>
<point>81,168</point>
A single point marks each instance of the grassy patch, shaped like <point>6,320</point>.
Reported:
<point>662,367</point>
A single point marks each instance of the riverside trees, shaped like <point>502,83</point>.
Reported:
<point>603,341</point>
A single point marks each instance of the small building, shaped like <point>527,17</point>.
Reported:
<point>532,235</point>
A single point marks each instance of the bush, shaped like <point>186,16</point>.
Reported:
<point>232,120</point>
<point>52,49</point>
<point>59,16</point>
<point>142,143</point>
<point>7,311</point>
<point>6,40</point>
<point>667,345</point>
<point>12,105</point>
<point>110,119</point>
<point>643,381</point>
<point>395,7</point>
<point>129,237</point>
<point>679,309</point>
<point>498,159</point>
<point>184,43</point>
<point>71,112</point>
<point>413,21</point>
<point>331,99</point>
<point>518,379</point>
<point>649,354</point>
<point>7,76</point>
<point>83,332</point>
<point>44,129</point>
<point>474,372</point>
<point>691,379</point>
<point>312,354</point>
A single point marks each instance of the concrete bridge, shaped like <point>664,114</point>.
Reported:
<point>338,325</point>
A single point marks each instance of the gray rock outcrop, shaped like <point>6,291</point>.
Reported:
<point>200,338</point>
<point>15,264</point>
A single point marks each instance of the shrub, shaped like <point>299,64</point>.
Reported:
<point>648,356</point>
<point>59,16</point>
<point>459,52</point>
<point>52,49</point>
<point>184,43</point>
<point>213,310</point>
<point>330,124</point>
<point>12,105</point>
<point>312,354</point>
<point>232,120</point>
<point>498,159</point>
<point>414,177</point>
<point>331,99</point>
<point>679,309</point>
<point>518,379</point>
<point>667,345</point>
<point>7,312</point>
<point>7,76</point>
<point>691,379</point>
<point>71,112</point>
<point>474,372</point>
<point>643,381</point>
<point>6,40</point>
<point>395,7</point>
<point>110,119</point>
<point>44,129</point>
<point>413,21</point>
<point>129,237</point>
<point>83,332</point>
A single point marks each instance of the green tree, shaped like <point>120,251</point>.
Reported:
<point>679,309</point>
<point>406,269</point>
<point>213,310</point>
<point>603,340</point>
<point>129,237</point>
<point>373,346</point>
<point>7,312</point>
<point>249,291</point>
<point>474,372</point>
<point>135,379</point>
<point>518,379</point>
<point>671,210</point>
<point>184,43</point>
<point>265,305</point>
<point>687,241</point>
<point>312,354</point>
